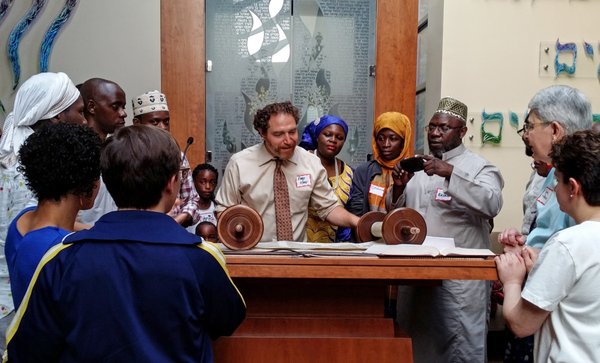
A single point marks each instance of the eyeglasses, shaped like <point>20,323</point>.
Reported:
<point>528,126</point>
<point>441,128</point>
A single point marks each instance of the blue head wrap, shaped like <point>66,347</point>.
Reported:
<point>313,129</point>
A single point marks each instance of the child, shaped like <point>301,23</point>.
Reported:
<point>205,178</point>
<point>207,230</point>
<point>61,164</point>
<point>560,302</point>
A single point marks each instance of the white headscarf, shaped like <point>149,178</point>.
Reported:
<point>41,97</point>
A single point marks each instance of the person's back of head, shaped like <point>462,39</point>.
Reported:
<point>577,156</point>
<point>104,105</point>
<point>42,97</point>
<point>137,163</point>
<point>566,105</point>
<point>61,159</point>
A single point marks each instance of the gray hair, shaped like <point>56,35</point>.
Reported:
<point>566,105</point>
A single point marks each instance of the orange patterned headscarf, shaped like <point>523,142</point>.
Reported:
<point>400,124</point>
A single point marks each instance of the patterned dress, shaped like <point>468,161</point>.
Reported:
<point>14,197</point>
<point>318,230</point>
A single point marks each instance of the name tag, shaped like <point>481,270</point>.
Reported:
<point>545,196</point>
<point>441,196</point>
<point>376,189</point>
<point>303,181</point>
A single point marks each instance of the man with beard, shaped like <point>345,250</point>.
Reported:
<point>251,179</point>
<point>458,193</point>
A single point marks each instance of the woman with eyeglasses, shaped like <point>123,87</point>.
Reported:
<point>372,180</point>
<point>326,136</point>
<point>554,112</point>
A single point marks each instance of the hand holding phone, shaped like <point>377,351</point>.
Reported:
<point>413,164</point>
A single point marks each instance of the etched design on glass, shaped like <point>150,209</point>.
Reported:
<point>318,58</point>
<point>228,140</point>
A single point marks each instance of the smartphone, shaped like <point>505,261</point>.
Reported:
<point>413,164</point>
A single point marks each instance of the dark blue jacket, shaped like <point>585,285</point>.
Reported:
<point>135,288</point>
<point>358,204</point>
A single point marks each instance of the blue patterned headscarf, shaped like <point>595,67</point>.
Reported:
<point>313,129</point>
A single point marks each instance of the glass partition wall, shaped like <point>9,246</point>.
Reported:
<point>315,53</point>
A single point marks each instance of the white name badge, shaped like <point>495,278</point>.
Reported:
<point>303,181</point>
<point>441,196</point>
<point>545,196</point>
<point>376,189</point>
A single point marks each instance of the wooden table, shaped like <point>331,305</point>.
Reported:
<point>329,308</point>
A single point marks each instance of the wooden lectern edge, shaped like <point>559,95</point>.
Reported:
<point>368,268</point>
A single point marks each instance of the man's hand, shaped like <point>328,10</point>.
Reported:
<point>511,268</point>
<point>435,166</point>
<point>511,237</point>
<point>184,219</point>
<point>400,176</point>
<point>174,210</point>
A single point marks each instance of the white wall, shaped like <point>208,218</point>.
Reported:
<point>117,40</point>
<point>490,59</point>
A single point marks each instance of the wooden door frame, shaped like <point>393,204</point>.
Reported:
<point>183,62</point>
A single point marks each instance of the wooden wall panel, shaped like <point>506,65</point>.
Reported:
<point>183,58</point>
<point>182,71</point>
<point>396,57</point>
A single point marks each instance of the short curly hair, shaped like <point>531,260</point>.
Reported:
<point>61,159</point>
<point>261,119</point>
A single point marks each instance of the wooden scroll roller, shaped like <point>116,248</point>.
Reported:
<point>402,225</point>
<point>240,227</point>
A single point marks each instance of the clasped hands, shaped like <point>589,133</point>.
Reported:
<point>513,243</point>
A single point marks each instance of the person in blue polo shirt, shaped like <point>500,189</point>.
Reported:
<point>136,287</point>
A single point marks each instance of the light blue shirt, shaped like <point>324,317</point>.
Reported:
<point>550,219</point>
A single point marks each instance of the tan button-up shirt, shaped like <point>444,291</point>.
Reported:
<point>248,180</point>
